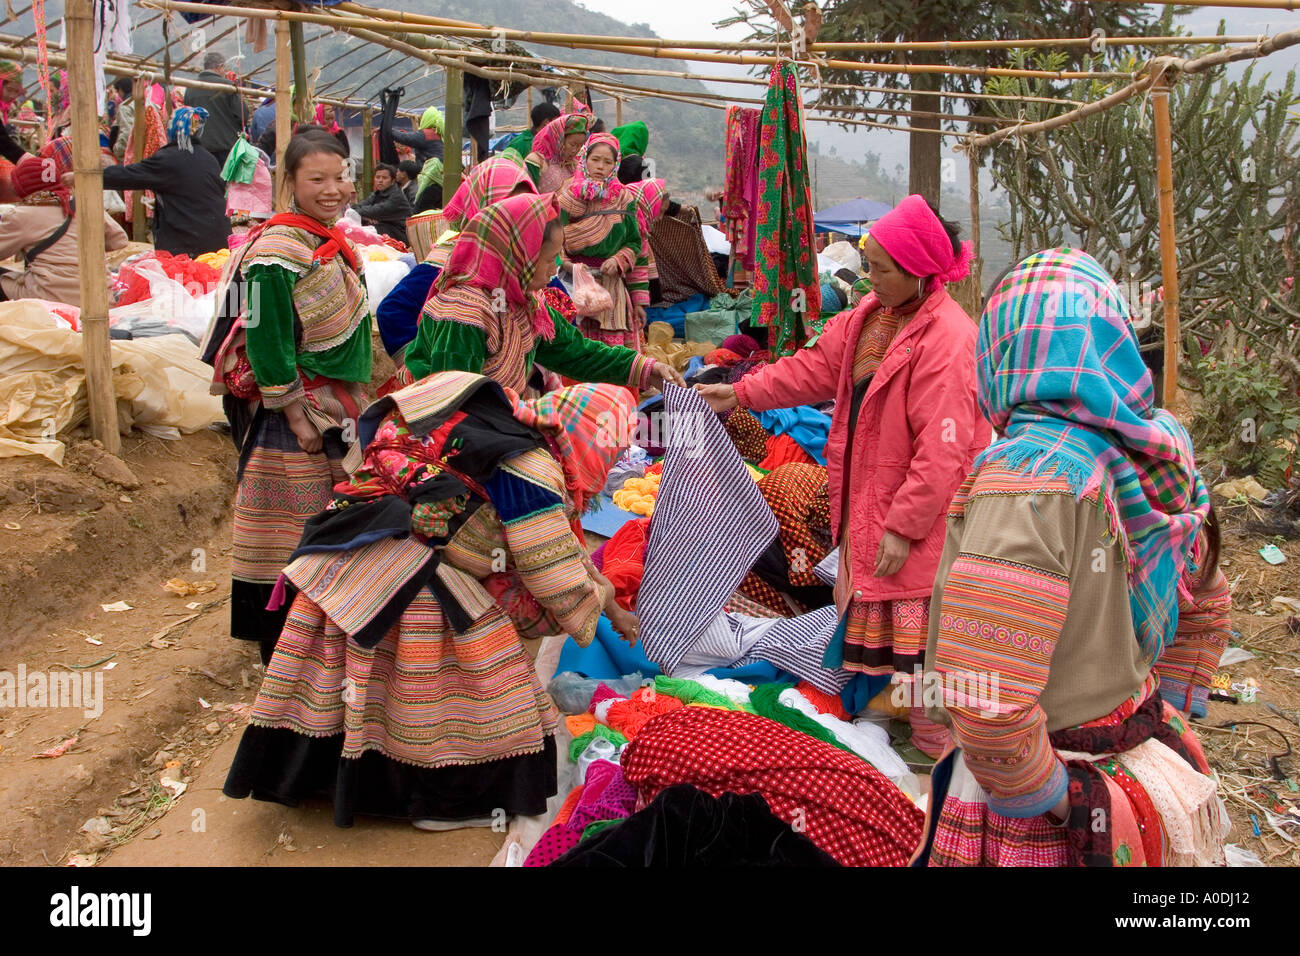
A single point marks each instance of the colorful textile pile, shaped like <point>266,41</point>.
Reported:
<point>843,804</point>
<point>786,287</point>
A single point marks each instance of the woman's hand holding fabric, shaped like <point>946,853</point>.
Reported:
<point>610,267</point>
<point>663,372</point>
<point>638,311</point>
<point>891,555</point>
<point>627,624</point>
<point>721,398</point>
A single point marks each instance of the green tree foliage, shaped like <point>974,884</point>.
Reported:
<point>1092,184</point>
<point>917,20</point>
<point>1236,171</point>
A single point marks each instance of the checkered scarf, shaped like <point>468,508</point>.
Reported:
<point>1061,377</point>
<point>498,247</point>
<point>550,138</point>
<point>488,182</point>
<point>651,194</point>
<point>587,187</point>
<point>590,426</point>
<point>187,125</point>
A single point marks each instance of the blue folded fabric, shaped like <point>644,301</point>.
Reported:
<point>607,520</point>
<point>694,365</point>
<point>608,657</point>
<point>675,314</point>
<point>807,426</point>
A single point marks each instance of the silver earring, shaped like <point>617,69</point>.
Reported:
<point>920,286</point>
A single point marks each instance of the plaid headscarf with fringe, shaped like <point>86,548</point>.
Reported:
<point>1061,377</point>
<point>550,138</point>
<point>589,427</point>
<point>489,182</point>
<point>587,187</point>
<point>651,195</point>
<point>187,125</point>
<point>498,248</point>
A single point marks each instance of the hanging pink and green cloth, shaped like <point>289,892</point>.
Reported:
<point>785,281</point>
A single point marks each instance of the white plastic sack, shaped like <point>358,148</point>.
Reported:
<point>382,277</point>
<point>160,384</point>
<point>170,308</point>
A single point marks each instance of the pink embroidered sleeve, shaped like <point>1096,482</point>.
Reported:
<point>999,619</point>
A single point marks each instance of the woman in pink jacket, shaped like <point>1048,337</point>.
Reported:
<point>906,428</point>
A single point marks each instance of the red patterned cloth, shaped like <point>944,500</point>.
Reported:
<point>625,561</point>
<point>784,450</point>
<point>841,802</point>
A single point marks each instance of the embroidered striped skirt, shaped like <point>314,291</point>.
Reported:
<point>280,487</point>
<point>428,723</point>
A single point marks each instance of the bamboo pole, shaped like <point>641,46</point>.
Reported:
<point>134,66</point>
<point>618,111</point>
<point>367,152</point>
<point>283,111</point>
<point>557,39</point>
<point>1168,240</point>
<point>977,262</point>
<point>452,133</point>
<point>614,44</point>
<point>301,95</point>
<point>88,181</point>
<point>1055,122</point>
<point>742,80</point>
<point>139,228</point>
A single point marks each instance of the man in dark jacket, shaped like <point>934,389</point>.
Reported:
<point>387,208</point>
<point>227,113</point>
<point>189,214</point>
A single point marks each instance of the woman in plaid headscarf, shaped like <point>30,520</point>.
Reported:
<point>44,217</point>
<point>603,230</point>
<point>486,315</point>
<point>555,150</point>
<point>1059,587</point>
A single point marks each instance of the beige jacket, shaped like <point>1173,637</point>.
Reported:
<point>54,273</point>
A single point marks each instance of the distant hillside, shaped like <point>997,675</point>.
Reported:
<point>686,141</point>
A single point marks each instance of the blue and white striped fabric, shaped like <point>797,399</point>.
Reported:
<point>710,525</point>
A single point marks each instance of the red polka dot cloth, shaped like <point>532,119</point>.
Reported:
<point>839,801</point>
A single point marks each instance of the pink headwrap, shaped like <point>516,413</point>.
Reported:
<point>320,119</point>
<point>487,183</point>
<point>916,240</point>
<point>588,187</point>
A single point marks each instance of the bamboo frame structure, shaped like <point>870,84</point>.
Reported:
<point>1168,239</point>
<point>88,178</point>
<point>390,21</point>
<point>426,39</point>
<point>283,110</point>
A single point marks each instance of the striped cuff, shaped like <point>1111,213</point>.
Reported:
<point>1036,803</point>
<point>642,369</point>
<point>280,396</point>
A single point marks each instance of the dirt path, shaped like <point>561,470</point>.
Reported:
<point>162,690</point>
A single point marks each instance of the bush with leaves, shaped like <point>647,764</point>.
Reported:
<point>1249,420</point>
<point>1092,185</point>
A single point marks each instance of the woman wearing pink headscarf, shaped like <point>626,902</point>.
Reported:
<point>905,431</point>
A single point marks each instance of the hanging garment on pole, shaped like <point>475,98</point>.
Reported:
<point>388,100</point>
<point>786,286</point>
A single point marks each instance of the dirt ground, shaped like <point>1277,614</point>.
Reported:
<point>177,687</point>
